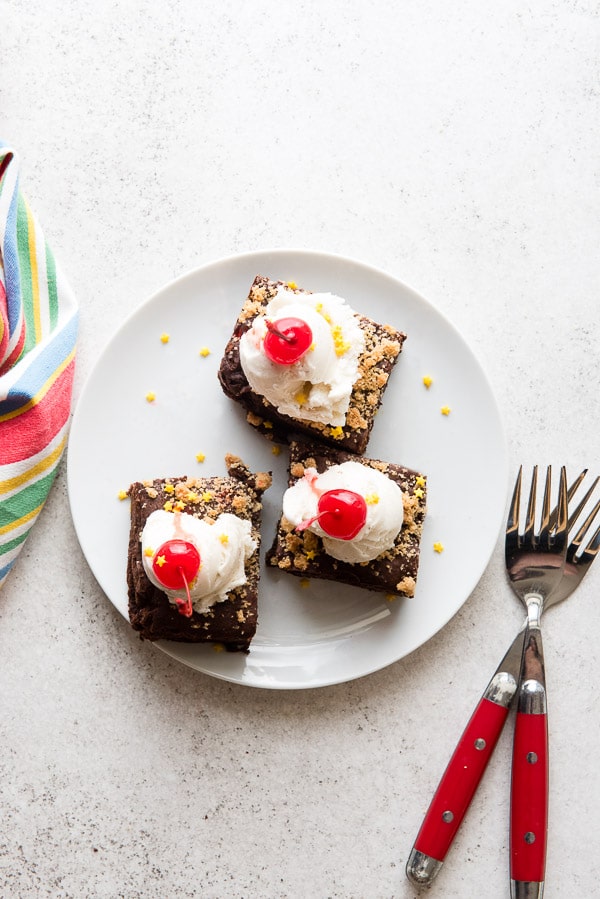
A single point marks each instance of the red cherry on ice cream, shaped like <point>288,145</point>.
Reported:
<point>287,340</point>
<point>342,513</point>
<point>176,563</point>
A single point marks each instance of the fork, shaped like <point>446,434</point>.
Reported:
<point>535,564</point>
<point>529,785</point>
<point>534,584</point>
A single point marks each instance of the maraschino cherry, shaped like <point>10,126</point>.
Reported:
<point>341,513</point>
<point>287,340</point>
<point>175,564</point>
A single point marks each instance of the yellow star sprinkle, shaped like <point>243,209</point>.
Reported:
<point>200,457</point>
<point>390,597</point>
<point>207,496</point>
<point>122,494</point>
<point>218,647</point>
<point>310,554</point>
<point>292,285</point>
<point>419,493</point>
<point>304,582</point>
<point>268,425</point>
<point>160,561</point>
<point>150,396</point>
<point>438,547</point>
<point>427,381</point>
<point>192,497</point>
<point>149,552</point>
<point>337,433</point>
<point>445,410</point>
<point>224,538</point>
<point>168,506</point>
<point>180,505</point>
<point>204,351</point>
<point>168,488</point>
<point>301,397</point>
<point>420,480</point>
<point>164,338</point>
<point>372,499</point>
<point>276,450</point>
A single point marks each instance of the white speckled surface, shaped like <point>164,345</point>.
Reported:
<point>454,145</point>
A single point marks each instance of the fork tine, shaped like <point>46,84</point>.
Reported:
<point>591,550</point>
<point>512,524</point>
<point>561,533</point>
<point>570,494</point>
<point>530,520</point>
<point>580,535</point>
<point>544,535</point>
<point>577,512</point>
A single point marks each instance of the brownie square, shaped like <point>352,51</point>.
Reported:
<point>302,553</point>
<point>231,622</point>
<point>382,347</point>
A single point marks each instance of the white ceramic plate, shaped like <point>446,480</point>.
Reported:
<point>320,634</point>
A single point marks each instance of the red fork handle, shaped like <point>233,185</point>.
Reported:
<point>529,799</point>
<point>455,791</point>
<point>529,786</point>
<point>465,769</point>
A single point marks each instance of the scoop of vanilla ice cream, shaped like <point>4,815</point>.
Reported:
<point>224,548</point>
<point>385,510</point>
<point>318,386</point>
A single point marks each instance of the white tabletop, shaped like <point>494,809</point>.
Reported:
<point>452,145</point>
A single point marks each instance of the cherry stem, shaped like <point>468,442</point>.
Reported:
<point>183,607</point>
<point>289,338</point>
<point>308,521</point>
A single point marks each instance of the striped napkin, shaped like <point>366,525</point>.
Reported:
<point>38,329</point>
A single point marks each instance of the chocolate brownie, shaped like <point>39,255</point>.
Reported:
<point>382,346</point>
<point>231,622</point>
<point>301,553</point>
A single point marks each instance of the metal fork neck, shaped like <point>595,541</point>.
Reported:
<point>532,697</point>
<point>535,607</point>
